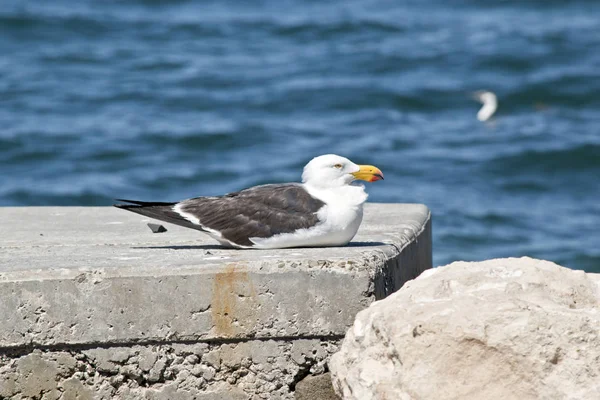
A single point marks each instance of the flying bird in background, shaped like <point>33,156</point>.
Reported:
<point>326,209</point>
<point>490,104</point>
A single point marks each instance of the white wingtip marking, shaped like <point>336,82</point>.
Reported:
<point>188,216</point>
<point>193,219</point>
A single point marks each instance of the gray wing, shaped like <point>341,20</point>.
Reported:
<point>261,211</point>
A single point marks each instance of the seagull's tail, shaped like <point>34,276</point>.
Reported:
<point>156,210</point>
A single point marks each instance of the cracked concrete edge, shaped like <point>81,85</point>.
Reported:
<point>249,370</point>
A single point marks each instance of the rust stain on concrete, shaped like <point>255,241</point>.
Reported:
<point>233,301</point>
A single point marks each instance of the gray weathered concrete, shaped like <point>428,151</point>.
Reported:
<point>107,308</point>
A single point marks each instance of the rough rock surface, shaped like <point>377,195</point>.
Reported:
<point>498,329</point>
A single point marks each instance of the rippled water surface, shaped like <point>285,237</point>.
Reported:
<point>163,101</point>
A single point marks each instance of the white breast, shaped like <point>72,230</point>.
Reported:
<point>339,220</point>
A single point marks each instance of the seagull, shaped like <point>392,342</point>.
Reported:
<point>490,104</point>
<point>326,209</point>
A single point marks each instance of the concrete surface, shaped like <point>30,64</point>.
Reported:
<point>116,310</point>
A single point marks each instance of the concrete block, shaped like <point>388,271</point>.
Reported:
<point>139,312</point>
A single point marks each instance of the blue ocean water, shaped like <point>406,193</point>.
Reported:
<point>162,101</point>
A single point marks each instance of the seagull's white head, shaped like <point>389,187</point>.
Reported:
<point>330,170</point>
<point>485,96</point>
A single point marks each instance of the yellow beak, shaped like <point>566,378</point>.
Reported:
<point>368,173</point>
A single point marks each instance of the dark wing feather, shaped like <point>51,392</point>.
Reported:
<point>261,211</point>
<point>161,211</point>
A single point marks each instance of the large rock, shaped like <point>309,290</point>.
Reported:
<point>498,329</point>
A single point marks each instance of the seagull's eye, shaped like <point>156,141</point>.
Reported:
<point>338,166</point>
